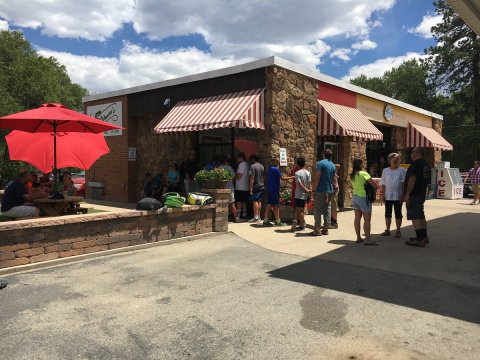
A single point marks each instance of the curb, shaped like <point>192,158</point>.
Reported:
<point>70,259</point>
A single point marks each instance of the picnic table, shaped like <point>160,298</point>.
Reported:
<point>57,207</point>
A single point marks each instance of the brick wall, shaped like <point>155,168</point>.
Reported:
<point>36,240</point>
<point>113,169</point>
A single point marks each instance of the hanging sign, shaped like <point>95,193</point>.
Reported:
<point>111,113</point>
<point>283,157</point>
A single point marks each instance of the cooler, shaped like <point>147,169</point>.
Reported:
<point>449,183</point>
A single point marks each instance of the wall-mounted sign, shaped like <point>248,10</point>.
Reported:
<point>132,154</point>
<point>388,112</point>
<point>283,157</point>
<point>111,113</point>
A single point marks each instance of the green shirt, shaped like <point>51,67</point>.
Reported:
<point>358,183</point>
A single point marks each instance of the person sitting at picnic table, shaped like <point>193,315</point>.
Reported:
<point>15,202</point>
<point>45,180</point>
<point>69,188</point>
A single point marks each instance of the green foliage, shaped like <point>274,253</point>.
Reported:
<point>407,83</point>
<point>454,65</point>
<point>215,174</point>
<point>28,80</point>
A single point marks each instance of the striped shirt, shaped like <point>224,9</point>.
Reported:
<point>474,176</point>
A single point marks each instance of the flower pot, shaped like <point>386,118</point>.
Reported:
<point>286,213</point>
<point>215,184</point>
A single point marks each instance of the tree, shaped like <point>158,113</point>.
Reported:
<point>28,80</point>
<point>454,65</point>
<point>407,83</point>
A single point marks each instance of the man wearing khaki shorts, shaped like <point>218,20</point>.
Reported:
<point>474,176</point>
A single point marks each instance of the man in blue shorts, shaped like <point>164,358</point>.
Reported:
<point>273,194</point>
<point>257,180</point>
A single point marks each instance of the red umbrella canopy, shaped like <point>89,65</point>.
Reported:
<point>50,116</point>
<point>79,150</point>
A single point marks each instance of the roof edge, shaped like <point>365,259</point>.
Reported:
<point>253,65</point>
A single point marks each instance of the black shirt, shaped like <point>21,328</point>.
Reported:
<point>420,169</point>
<point>13,195</point>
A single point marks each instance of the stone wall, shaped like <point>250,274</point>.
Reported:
<point>30,241</point>
<point>155,151</point>
<point>350,149</point>
<point>291,114</point>
<point>437,154</point>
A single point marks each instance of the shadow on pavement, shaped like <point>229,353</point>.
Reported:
<point>442,278</point>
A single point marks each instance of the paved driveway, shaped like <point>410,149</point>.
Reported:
<point>225,298</point>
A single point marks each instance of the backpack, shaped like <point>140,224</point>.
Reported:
<point>371,192</point>
<point>196,198</point>
<point>173,200</point>
<point>148,204</point>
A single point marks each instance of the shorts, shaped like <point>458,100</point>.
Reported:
<point>20,211</point>
<point>241,195</point>
<point>232,197</point>
<point>361,203</point>
<point>273,198</point>
<point>334,202</point>
<point>256,196</point>
<point>300,203</point>
<point>397,206</point>
<point>415,208</point>
<point>476,189</point>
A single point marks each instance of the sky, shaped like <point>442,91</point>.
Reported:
<point>110,45</point>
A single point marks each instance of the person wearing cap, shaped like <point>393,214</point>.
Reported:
<point>16,197</point>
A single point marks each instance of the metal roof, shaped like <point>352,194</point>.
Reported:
<point>262,63</point>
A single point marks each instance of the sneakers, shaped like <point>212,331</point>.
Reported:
<point>333,226</point>
<point>416,242</point>
<point>474,202</point>
<point>254,220</point>
<point>239,220</point>
<point>294,226</point>
<point>267,224</point>
<point>300,228</point>
<point>427,239</point>
<point>279,223</point>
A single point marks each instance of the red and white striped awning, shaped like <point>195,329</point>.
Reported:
<point>423,136</point>
<point>342,120</point>
<point>241,109</point>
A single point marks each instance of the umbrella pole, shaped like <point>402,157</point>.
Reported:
<point>55,170</point>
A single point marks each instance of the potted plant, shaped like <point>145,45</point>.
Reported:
<point>213,179</point>
<point>286,211</point>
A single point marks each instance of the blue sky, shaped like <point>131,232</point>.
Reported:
<point>113,44</point>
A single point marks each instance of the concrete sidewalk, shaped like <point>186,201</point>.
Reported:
<point>452,255</point>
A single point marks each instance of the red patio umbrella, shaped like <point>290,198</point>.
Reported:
<point>79,150</point>
<point>54,118</point>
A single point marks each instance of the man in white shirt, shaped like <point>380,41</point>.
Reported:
<point>393,179</point>
<point>242,185</point>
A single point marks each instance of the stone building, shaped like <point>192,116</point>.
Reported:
<point>258,107</point>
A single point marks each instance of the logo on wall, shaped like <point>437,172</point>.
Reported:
<point>111,113</point>
<point>388,113</point>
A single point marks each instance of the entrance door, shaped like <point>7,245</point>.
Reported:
<point>377,152</point>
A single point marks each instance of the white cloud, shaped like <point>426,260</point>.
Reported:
<point>86,19</point>
<point>135,66</point>
<point>379,67</point>
<point>424,28</point>
<point>236,31</point>
<point>3,25</point>
<point>364,45</point>
<point>341,53</point>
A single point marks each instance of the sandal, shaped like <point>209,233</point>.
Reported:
<point>385,233</point>
<point>398,234</point>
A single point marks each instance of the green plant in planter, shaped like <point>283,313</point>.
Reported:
<point>215,174</point>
